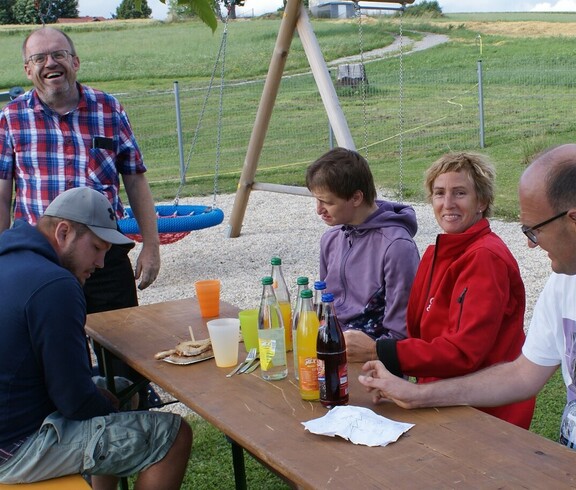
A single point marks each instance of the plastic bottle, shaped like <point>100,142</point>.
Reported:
<point>271,334</point>
<point>319,289</point>
<point>283,297</point>
<point>302,283</point>
<point>332,363</point>
<point>307,335</point>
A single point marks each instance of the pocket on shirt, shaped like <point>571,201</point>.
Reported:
<point>102,166</point>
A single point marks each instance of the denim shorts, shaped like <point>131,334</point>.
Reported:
<point>119,444</point>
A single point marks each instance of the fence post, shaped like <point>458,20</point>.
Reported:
<point>481,103</point>
<point>480,92</point>
<point>179,131</point>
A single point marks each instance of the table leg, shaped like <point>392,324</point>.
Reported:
<point>238,464</point>
<point>108,371</point>
<point>109,374</point>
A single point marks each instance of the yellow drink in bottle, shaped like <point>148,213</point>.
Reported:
<point>307,334</point>
<point>286,310</point>
<point>283,297</point>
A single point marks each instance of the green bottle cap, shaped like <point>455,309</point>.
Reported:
<point>306,293</point>
<point>276,261</point>
<point>267,280</point>
<point>301,281</point>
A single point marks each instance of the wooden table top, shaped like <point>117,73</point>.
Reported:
<point>447,448</point>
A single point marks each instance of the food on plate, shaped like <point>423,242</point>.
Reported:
<point>188,348</point>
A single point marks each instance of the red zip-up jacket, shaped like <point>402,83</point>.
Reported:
<point>465,313</point>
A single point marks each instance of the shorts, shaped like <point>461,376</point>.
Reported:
<point>119,444</point>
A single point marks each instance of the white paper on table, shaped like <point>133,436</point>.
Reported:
<point>358,425</point>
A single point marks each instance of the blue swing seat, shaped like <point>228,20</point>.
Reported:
<point>174,221</point>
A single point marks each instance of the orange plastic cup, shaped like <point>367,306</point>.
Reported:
<point>208,294</point>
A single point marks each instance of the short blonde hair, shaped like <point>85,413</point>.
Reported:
<point>478,167</point>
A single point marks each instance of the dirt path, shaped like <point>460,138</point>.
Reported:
<point>405,44</point>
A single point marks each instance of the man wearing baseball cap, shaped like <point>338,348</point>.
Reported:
<point>91,208</point>
<point>54,421</point>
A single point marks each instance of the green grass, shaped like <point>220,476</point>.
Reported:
<point>211,462</point>
<point>529,92</point>
<point>549,407</point>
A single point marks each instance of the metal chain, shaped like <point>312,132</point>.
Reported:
<point>221,52</point>
<point>358,13</point>
<point>220,111</point>
<point>401,108</point>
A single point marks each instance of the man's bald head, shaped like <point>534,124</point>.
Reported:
<point>553,173</point>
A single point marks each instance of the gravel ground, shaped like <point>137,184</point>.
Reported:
<point>287,226</point>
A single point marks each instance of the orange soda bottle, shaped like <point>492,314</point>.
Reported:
<point>307,335</point>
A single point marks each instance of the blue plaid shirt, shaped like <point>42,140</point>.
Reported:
<point>46,153</point>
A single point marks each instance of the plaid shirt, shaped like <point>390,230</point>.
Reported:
<point>46,153</point>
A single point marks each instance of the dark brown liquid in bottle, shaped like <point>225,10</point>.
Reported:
<point>334,382</point>
<point>332,363</point>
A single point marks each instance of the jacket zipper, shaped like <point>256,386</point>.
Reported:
<point>461,303</point>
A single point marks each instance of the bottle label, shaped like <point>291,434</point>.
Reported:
<point>342,388</point>
<point>343,375</point>
<point>321,369</point>
<point>308,374</point>
<point>272,348</point>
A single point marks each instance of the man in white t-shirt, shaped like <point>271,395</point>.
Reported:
<point>548,212</point>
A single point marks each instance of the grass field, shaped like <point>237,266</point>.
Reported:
<point>529,105</point>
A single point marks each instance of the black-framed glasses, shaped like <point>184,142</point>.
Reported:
<point>40,58</point>
<point>529,230</point>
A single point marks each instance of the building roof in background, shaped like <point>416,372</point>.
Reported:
<point>77,20</point>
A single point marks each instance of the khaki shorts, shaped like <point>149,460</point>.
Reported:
<point>119,444</point>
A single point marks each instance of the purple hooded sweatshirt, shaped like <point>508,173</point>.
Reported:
<point>370,268</point>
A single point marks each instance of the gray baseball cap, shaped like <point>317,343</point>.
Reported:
<point>91,208</point>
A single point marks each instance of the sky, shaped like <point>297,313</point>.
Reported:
<point>106,8</point>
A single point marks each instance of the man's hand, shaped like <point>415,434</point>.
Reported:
<point>359,346</point>
<point>385,386</point>
<point>142,204</point>
<point>147,266</point>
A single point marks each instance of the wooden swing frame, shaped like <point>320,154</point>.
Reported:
<point>295,19</point>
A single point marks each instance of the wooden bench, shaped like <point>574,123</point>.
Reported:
<point>69,482</point>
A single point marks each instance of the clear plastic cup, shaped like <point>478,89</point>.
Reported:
<point>224,335</point>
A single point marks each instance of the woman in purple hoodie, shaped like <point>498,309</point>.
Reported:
<point>368,257</point>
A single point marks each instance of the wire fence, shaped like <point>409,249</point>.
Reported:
<point>435,110</point>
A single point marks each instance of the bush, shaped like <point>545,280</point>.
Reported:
<point>424,9</point>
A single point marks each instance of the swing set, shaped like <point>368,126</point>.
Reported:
<point>295,19</point>
<point>177,221</point>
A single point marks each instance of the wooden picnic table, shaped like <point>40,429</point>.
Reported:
<point>454,447</point>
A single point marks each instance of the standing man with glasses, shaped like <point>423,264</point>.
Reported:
<point>62,135</point>
<point>547,194</point>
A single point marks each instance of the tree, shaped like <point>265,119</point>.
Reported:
<point>68,9</point>
<point>424,9</point>
<point>203,8</point>
<point>129,10</point>
<point>43,11</point>
<point>6,14</point>
<point>231,6</point>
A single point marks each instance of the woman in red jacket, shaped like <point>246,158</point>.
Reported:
<point>466,306</point>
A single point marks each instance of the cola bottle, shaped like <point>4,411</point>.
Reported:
<point>331,361</point>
